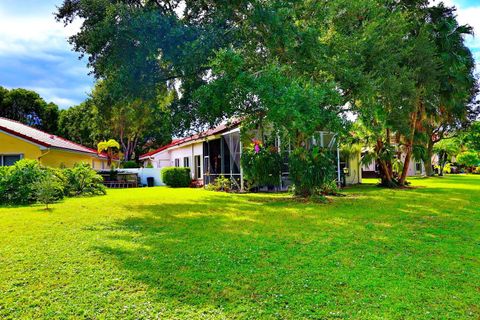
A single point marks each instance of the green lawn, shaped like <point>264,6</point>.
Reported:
<point>190,253</point>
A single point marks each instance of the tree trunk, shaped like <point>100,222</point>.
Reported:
<point>428,160</point>
<point>386,173</point>
<point>408,156</point>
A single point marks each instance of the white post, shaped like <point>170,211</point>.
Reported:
<point>241,168</point>
<point>339,176</point>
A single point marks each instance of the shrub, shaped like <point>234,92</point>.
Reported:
<point>176,177</point>
<point>311,170</point>
<point>130,165</point>
<point>48,189</point>
<point>220,184</point>
<point>262,166</point>
<point>477,170</point>
<point>17,182</point>
<point>468,159</point>
<point>83,180</point>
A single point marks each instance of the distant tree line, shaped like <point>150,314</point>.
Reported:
<point>137,127</point>
<point>28,107</point>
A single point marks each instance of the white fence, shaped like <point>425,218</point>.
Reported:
<point>145,173</point>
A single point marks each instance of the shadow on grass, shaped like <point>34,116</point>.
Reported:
<point>248,254</point>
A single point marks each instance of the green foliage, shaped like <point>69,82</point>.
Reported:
<point>138,122</point>
<point>468,159</point>
<point>471,137</point>
<point>28,107</point>
<point>130,165</point>
<point>48,189</point>
<point>176,177</point>
<point>81,124</point>
<point>262,166</point>
<point>311,170</point>
<point>82,180</point>
<point>220,184</point>
<point>110,147</point>
<point>17,182</point>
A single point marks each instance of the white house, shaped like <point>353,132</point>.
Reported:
<point>415,168</point>
<point>218,152</point>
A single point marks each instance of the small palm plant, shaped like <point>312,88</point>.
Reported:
<point>110,147</point>
<point>48,189</point>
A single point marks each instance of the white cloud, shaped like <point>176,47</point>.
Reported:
<point>29,35</point>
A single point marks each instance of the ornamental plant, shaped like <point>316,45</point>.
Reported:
<point>312,171</point>
<point>262,165</point>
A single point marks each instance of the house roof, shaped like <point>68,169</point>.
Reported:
<point>199,136</point>
<point>42,138</point>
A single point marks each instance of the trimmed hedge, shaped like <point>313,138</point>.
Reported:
<point>176,177</point>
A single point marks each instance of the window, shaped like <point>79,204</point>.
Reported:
<point>198,167</point>
<point>418,167</point>
<point>177,162</point>
<point>9,159</point>
<point>186,162</point>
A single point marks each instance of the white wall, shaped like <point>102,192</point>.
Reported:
<point>188,151</point>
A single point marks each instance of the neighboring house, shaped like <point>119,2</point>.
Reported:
<point>19,141</point>
<point>218,152</point>
<point>415,168</point>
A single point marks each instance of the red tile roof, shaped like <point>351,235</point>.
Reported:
<point>178,142</point>
<point>42,138</point>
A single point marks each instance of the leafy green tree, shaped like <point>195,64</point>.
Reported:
<point>455,104</point>
<point>47,189</point>
<point>445,150</point>
<point>468,159</point>
<point>28,107</point>
<point>471,137</point>
<point>81,124</point>
<point>138,124</point>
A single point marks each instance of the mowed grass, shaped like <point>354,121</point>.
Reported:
<point>189,253</point>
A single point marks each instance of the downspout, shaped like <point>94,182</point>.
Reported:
<point>43,155</point>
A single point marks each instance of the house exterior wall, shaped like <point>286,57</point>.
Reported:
<point>13,145</point>
<point>55,158</point>
<point>188,151</point>
<point>415,168</point>
<point>65,159</point>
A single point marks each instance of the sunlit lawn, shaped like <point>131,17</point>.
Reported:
<point>190,253</point>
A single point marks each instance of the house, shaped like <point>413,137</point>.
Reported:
<point>19,141</point>
<point>218,152</point>
<point>415,168</point>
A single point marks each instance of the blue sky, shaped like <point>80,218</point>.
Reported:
<point>35,54</point>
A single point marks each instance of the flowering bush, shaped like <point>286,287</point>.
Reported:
<point>262,165</point>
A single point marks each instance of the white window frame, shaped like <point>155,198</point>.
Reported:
<point>197,166</point>
<point>9,154</point>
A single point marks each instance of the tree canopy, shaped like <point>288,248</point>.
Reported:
<point>401,67</point>
<point>28,107</point>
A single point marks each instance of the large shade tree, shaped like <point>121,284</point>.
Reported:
<point>455,105</point>
<point>296,65</point>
